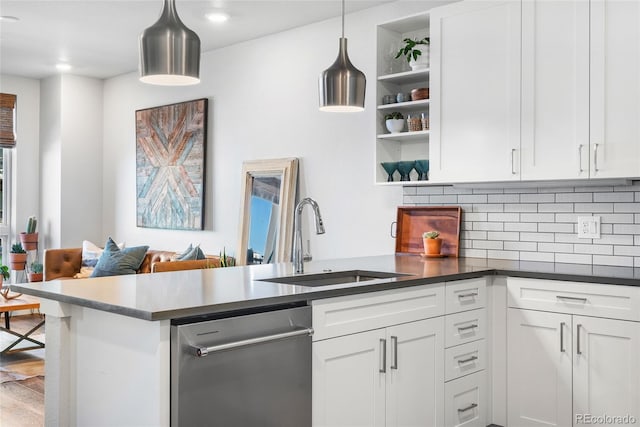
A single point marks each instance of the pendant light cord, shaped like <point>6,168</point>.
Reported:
<point>342,18</point>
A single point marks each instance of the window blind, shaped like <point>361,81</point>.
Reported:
<point>7,120</point>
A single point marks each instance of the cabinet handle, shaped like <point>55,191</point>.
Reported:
<point>466,328</point>
<point>595,157</point>
<point>576,299</point>
<point>394,352</point>
<point>562,337</point>
<point>513,163</point>
<point>383,356</point>
<point>469,295</point>
<point>394,232</point>
<point>580,157</point>
<point>468,408</point>
<point>470,359</point>
<point>578,350</point>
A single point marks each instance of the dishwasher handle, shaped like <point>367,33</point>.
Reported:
<point>203,351</point>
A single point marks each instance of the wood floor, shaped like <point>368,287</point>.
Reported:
<point>22,402</point>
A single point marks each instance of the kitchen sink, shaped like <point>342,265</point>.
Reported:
<point>334,278</point>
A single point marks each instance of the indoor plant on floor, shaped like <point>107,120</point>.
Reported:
<point>29,238</point>
<point>432,242</point>
<point>35,272</point>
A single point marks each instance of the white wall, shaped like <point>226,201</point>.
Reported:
<point>263,103</point>
<point>25,157</point>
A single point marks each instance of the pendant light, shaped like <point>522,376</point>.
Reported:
<point>342,86</point>
<point>169,51</point>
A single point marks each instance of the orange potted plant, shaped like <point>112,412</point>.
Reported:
<point>29,238</point>
<point>35,273</point>
<point>17,257</point>
<point>432,243</point>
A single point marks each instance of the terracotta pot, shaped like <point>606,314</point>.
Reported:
<point>29,241</point>
<point>432,246</point>
<point>35,277</point>
<point>17,261</point>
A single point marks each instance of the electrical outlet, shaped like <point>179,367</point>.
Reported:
<point>588,227</point>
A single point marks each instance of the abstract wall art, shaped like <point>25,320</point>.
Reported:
<point>170,165</point>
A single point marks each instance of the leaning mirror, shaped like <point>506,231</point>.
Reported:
<point>266,211</point>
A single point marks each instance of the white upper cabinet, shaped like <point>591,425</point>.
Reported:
<point>615,88</point>
<point>475,92</point>
<point>555,89</point>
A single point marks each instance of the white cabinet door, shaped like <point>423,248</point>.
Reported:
<point>348,387</point>
<point>606,368</point>
<point>539,369</point>
<point>555,89</point>
<point>415,379</point>
<point>615,88</point>
<point>475,92</point>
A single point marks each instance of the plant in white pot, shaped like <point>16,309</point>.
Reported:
<point>416,51</point>
<point>394,122</point>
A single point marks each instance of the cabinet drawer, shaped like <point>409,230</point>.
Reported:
<point>464,359</point>
<point>465,401</point>
<point>350,314</point>
<point>465,327</point>
<point>466,295</point>
<point>587,299</point>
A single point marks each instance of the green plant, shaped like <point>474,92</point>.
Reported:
<point>4,270</point>
<point>32,224</point>
<point>17,248</point>
<point>226,261</point>
<point>36,267</point>
<point>395,116</point>
<point>409,49</point>
<point>430,234</point>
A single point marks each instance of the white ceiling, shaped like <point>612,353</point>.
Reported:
<point>100,38</point>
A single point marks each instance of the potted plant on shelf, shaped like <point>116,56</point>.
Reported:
<point>432,242</point>
<point>394,122</point>
<point>416,51</point>
<point>17,257</point>
<point>35,274</point>
<point>29,238</point>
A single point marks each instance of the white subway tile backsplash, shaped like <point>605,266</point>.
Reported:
<point>538,198</point>
<point>593,249</point>
<point>542,217</point>
<point>536,237</point>
<point>540,224</point>
<point>613,197</point>
<point>503,217</point>
<point>555,207</point>
<point>537,256</point>
<point>520,226</point>
<point>574,197</point>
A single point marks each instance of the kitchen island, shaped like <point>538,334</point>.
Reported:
<point>108,339</point>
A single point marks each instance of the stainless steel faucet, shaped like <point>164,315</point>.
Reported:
<point>296,256</point>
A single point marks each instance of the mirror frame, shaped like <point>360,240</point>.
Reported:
<point>287,168</point>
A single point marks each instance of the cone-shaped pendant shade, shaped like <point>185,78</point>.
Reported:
<point>169,51</point>
<point>342,86</point>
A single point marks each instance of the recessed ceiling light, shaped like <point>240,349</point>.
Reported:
<point>63,66</point>
<point>6,18</point>
<point>217,16</point>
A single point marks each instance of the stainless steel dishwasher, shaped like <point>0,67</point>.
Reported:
<point>250,369</point>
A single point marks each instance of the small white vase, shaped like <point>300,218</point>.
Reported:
<point>423,60</point>
<point>394,125</point>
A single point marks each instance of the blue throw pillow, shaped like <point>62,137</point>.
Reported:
<point>192,253</point>
<point>116,262</point>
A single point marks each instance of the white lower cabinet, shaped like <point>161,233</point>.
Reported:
<point>465,401</point>
<point>567,369</point>
<point>385,377</point>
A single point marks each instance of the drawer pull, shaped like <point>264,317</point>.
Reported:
<point>578,350</point>
<point>576,299</point>
<point>466,328</point>
<point>468,408</point>
<point>470,359</point>
<point>562,324</point>
<point>394,352</point>
<point>469,295</point>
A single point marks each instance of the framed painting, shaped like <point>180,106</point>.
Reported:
<point>170,165</point>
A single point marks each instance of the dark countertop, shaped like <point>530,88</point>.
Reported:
<point>174,295</point>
